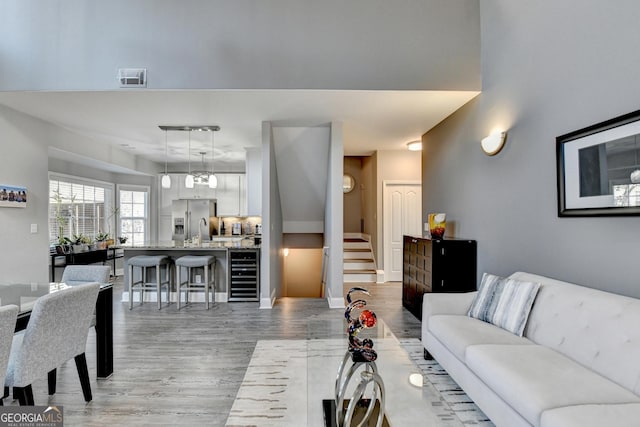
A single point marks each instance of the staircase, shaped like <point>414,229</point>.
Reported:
<point>359,264</point>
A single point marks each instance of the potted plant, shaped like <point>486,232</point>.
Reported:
<point>87,242</point>
<point>122,239</point>
<point>101,240</point>
<point>76,242</point>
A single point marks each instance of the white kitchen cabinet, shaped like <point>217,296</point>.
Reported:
<point>229,194</point>
<point>254,182</point>
<point>197,192</point>
<point>164,228</point>
<point>243,195</point>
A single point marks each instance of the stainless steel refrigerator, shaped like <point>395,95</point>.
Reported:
<point>193,217</point>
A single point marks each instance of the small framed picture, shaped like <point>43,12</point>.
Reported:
<point>12,196</point>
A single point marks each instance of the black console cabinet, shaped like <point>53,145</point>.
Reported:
<point>436,266</point>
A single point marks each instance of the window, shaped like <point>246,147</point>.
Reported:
<point>134,214</point>
<point>78,207</point>
<point>626,195</point>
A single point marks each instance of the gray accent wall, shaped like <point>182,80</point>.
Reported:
<point>548,68</point>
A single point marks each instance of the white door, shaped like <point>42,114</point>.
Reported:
<point>402,215</point>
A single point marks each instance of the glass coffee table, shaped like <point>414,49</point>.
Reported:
<point>409,400</point>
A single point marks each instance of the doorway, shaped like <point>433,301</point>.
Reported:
<point>302,265</point>
<point>402,215</point>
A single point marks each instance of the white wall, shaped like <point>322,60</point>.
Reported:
<point>24,256</point>
<point>302,158</point>
<point>271,265</point>
<point>548,68</point>
<point>276,44</point>
<point>333,227</point>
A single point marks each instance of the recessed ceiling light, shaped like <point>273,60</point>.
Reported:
<point>414,146</point>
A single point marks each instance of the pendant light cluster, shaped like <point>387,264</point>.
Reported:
<point>190,180</point>
<point>213,180</point>
<point>166,179</point>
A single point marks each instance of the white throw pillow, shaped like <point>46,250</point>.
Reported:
<point>504,302</point>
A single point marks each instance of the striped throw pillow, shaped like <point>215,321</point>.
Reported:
<point>504,302</point>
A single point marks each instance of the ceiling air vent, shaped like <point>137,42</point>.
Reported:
<point>132,77</point>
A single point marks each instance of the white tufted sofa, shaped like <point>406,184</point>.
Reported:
<point>578,363</point>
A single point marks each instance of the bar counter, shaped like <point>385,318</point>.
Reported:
<point>219,247</point>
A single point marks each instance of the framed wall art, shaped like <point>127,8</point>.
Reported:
<point>598,169</point>
<point>12,196</point>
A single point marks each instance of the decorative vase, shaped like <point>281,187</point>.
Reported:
<point>437,225</point>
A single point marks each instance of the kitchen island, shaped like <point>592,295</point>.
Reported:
<point>220,247</point>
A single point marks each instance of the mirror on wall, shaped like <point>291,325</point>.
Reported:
<point>348,183</point>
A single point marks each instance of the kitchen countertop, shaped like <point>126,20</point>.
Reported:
<point>223,244</point>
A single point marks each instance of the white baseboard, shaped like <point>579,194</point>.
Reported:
<point>268,303</point>
<point>265,303</point>
<point>333,301</point>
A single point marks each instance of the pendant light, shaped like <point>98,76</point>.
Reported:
<point>188,180</point>
<point>213,181</point>
<point>166,179</point>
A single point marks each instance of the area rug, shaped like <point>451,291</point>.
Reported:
<point>464,408</point>
<point>274,390</point>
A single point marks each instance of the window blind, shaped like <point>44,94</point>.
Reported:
<point>78,208</point>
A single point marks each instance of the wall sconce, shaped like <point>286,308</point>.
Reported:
<point>492,144</point>
<point>414,146</point>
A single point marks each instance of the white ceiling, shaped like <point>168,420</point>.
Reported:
<point>372,120</point>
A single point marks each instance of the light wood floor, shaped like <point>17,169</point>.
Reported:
<point>185,368</point>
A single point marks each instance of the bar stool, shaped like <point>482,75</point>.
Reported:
<point>208,263</point>
<point>145,262</point>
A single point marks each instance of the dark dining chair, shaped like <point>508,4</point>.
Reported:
<point>8,315</point>
<point>57,332</point>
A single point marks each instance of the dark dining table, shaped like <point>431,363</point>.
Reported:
<point>25,296</point>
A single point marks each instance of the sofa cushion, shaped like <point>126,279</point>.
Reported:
<point>504,302</point>
<point>459,332</point>
<point>533,379</point>
<point>595,328</point>
<point>620,415</point>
